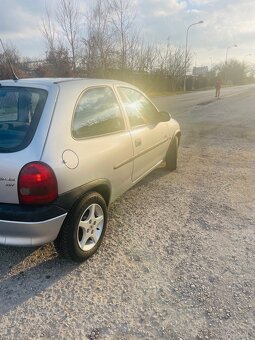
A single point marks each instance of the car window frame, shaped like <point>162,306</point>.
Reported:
<point>117,101</point>
<point>124,109</point>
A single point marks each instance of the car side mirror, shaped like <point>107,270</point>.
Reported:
<point>164,116</point>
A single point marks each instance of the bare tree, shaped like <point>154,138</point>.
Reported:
<point>57,62</point>
<point>48,30</point>
<point>234,72</point>
<point>99,42</point>
<point>147,56</point>
<point>14,58</point>
<point>171,63</point>
<point>122,19</point>
<point>68,17</point>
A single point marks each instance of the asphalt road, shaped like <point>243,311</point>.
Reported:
<point>178,261</point>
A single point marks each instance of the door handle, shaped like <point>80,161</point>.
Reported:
<point>138,142</point>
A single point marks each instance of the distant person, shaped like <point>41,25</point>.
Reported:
<point>217,87</point>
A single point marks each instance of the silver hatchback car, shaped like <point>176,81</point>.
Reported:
<point>68,148</point>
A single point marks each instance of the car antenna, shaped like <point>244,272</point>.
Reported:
<point>14,76</point>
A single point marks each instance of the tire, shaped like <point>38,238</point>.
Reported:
<point>83,229</point>
<point>172,154</point>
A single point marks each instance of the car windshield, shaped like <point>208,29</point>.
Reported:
<point>20,111</point>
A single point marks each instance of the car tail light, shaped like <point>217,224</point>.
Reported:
<point>37,184</point>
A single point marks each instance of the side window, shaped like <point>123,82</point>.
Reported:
<point>97,113</point>
<point>139,109</point>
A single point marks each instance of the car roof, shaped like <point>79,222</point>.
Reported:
<point>51,81</point>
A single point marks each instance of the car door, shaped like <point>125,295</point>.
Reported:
<point>150,137</point>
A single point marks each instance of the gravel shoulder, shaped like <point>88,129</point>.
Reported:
<point>178,260</point>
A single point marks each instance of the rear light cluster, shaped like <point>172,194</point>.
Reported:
<point>37,184</point>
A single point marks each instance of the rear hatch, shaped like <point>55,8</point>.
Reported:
<point>21,109</point>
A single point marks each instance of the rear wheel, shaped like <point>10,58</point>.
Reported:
<point>83,229</point>
<point>172,154</point>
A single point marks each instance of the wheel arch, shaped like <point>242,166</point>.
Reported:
<point>101,186</point>
<point>178,135</point>
<point>104,190</point>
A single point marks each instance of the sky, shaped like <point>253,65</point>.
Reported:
<point>226,23</point>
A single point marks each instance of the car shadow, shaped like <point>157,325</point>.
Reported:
<point>28,272</point>
<point>154,175</point>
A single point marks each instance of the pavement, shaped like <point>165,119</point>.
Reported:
<point>178,259</point>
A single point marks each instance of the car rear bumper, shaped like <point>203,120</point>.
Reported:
<point>15,233</point>
<point>29,225</point>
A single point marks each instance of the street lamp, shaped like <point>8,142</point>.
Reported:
<point>186,46</point>
<point>226,61</point>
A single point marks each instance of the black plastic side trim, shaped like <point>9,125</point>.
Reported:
<point>66,200</point>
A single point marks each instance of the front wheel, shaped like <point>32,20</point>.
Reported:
<point>172,154</point>
<point>84,228</point>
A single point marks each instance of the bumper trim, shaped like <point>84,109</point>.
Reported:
<point>27,234</point>
<point>25,214</point>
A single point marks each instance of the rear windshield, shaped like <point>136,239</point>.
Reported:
<point>20,111</point>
